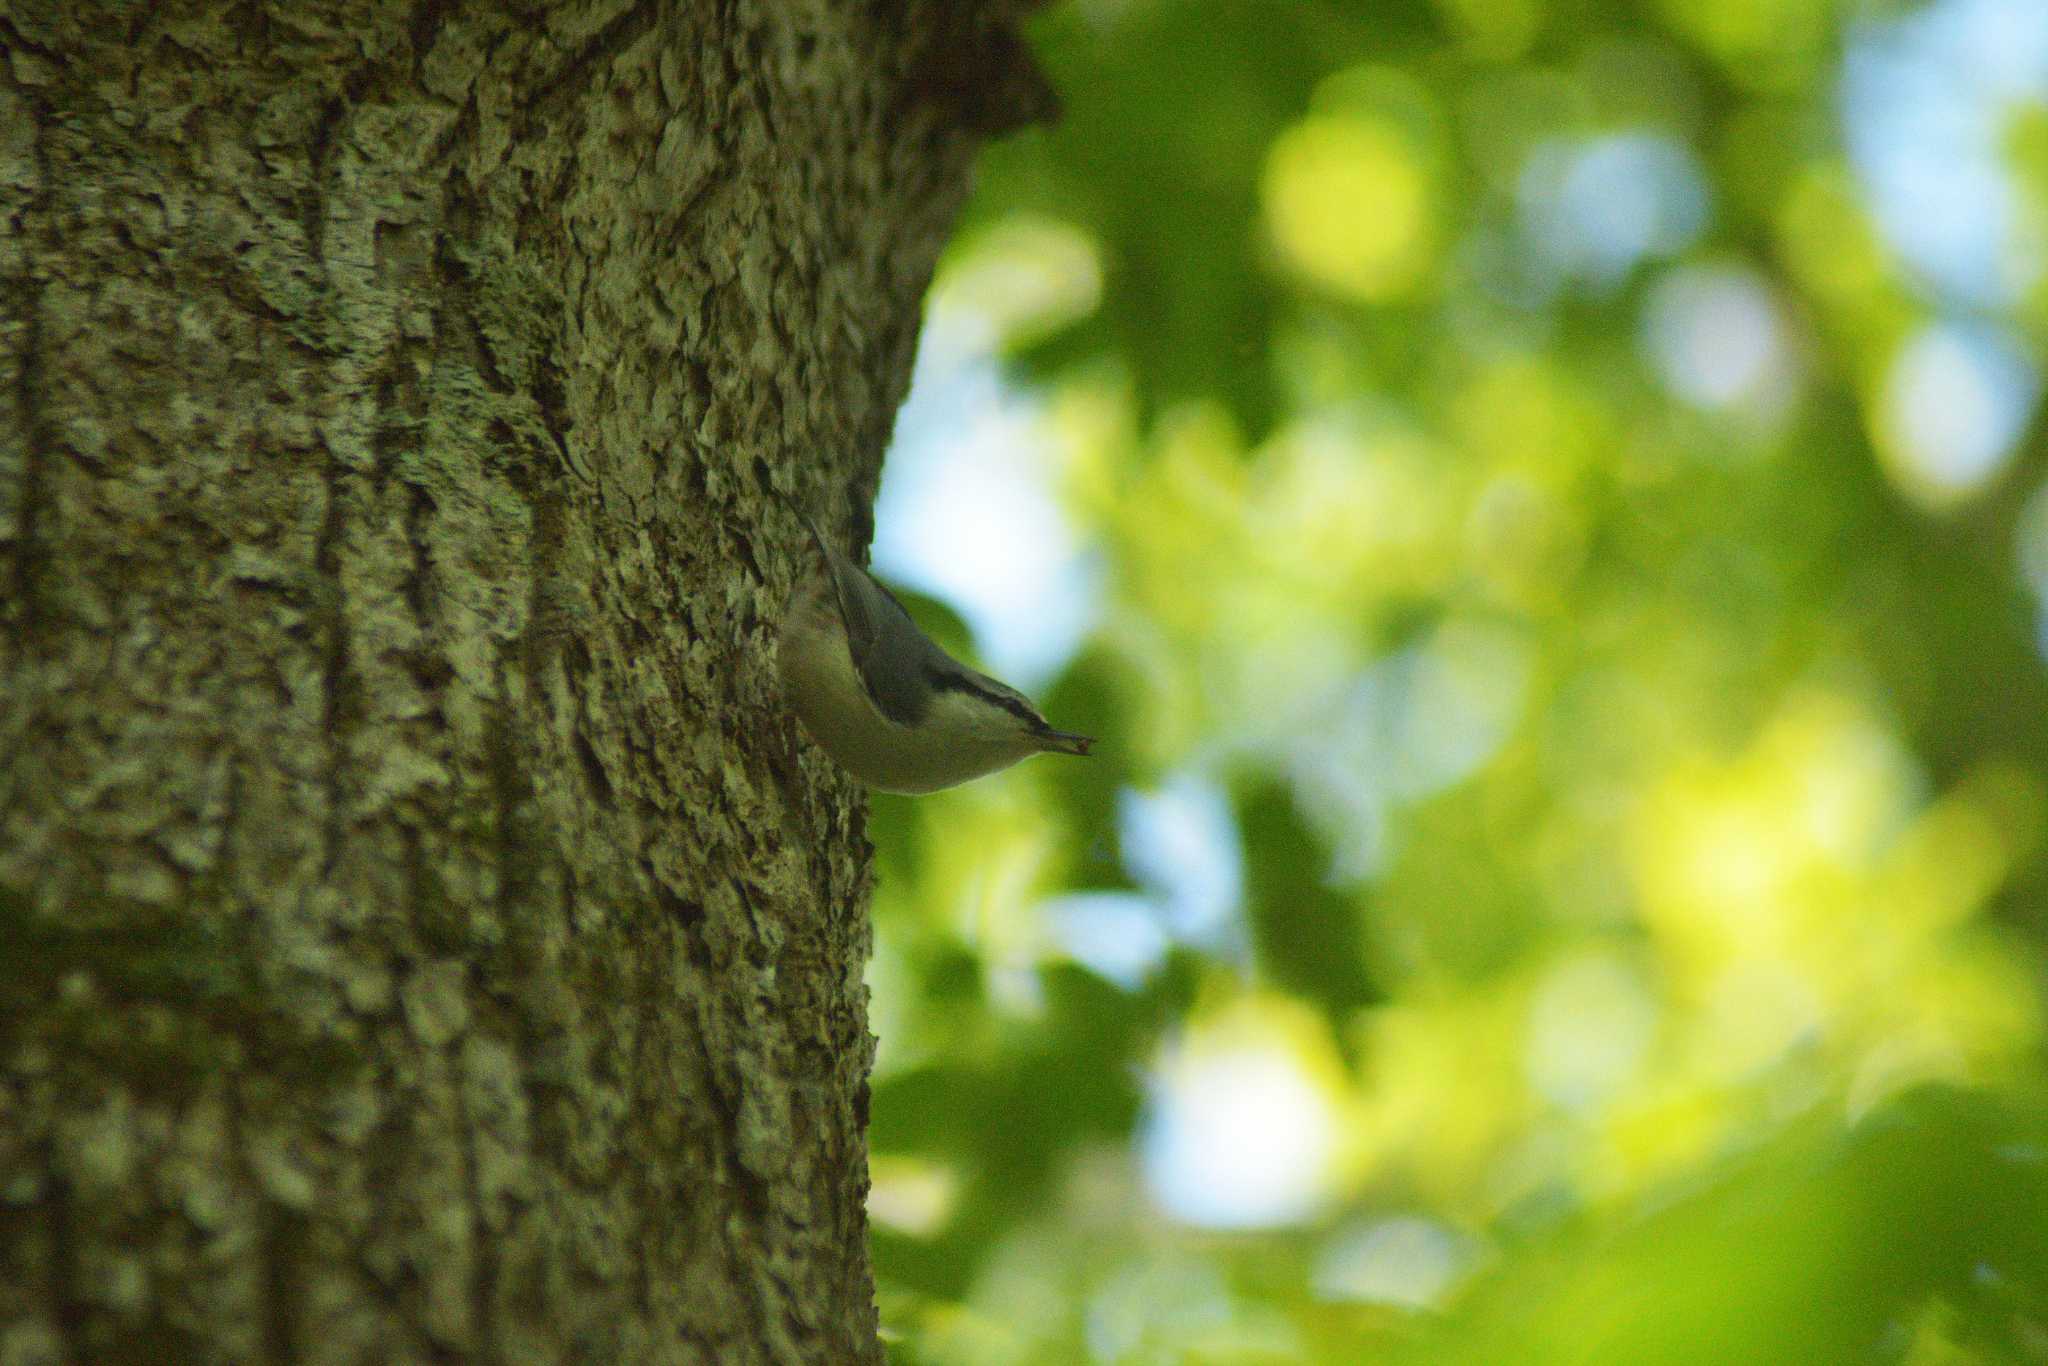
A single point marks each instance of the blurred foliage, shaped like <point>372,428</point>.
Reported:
<point>1563,876</point>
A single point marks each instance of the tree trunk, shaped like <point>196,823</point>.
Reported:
<point>422,934</point>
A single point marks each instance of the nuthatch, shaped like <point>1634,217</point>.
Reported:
<point>895,710</point>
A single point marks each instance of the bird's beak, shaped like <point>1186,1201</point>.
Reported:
<point>1065,742</point>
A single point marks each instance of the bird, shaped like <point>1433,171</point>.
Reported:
<point>880,697</point>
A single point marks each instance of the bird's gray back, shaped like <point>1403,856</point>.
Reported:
<point>876,627</point>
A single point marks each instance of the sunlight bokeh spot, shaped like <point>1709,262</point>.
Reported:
<point>1954,402</point>
<point>1927,104</point>
<point>1455,700</point>
<point>1114,934</point>
<point>1180,842</point>
<point>1162,1298</point>
<point>1728,851</point>
<point>1019,279</point>
<point>909,1194</point>
<point>1407,1261</point>
<point>1753,1011</point>
<point>1590,1024</point>
<point>1595,209</point>
<point>1348,205</point>
<point>1346,506</point>
<point>1717,338</point>
<point>1246,1122</point>
<point>1412,724</point>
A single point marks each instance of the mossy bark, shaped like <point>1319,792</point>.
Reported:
<point>422,935</point>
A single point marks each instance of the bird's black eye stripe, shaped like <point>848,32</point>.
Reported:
<point>1011,704</point>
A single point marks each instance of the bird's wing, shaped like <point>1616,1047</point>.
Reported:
<point>898,693</point>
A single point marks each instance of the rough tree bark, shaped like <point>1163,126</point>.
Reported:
<point>422,935</point>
